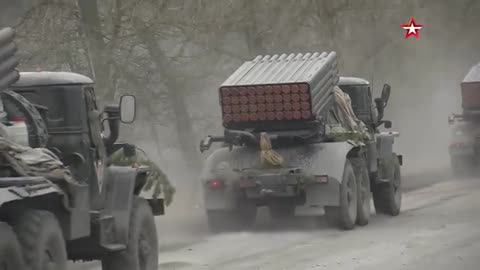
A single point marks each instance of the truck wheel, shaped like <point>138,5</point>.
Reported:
<point>231,220</point>
<point>345,215</point>
<point>142,249</point>
<point>387,197</point>
<point>10,252</point>
<point>364,192</point>
<point>41,240</point>
<point>282,210</point>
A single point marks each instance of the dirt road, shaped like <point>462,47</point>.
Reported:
<point>437,229</point>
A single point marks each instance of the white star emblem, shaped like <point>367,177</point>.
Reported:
<point>412,28</point>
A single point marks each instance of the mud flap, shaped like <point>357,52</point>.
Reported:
<point>221,199</point>
<point>319,195</point>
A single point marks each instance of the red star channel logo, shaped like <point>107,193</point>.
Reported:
<point>412,29</point>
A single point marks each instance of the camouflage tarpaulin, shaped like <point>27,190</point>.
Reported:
<point>27,161</point>
<point>267,155</point>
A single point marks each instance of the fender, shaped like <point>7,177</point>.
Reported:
<point>37,191</point>
<point>122,184</point>
<point>385,142</point>
<point>19,188</point>
<point>313,159</point>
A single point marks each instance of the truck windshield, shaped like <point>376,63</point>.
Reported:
<point>358,95</point>
<point>62,115</point>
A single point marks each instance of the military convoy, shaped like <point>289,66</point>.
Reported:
<point>296,134</point>
<point>464,148</point>
<point>59,198</point>
<point>293,138</point>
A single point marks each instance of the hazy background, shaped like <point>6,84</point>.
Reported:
<point>173,54</point>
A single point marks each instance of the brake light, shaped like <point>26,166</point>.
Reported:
<point>321,179</point>
<point>266,103</point>
<point>457,145</point>
<point>214,184</point>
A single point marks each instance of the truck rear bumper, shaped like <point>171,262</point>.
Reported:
<point>306,190</point>
<point>270,186</point>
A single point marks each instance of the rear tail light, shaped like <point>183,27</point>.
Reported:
<point>457,145</point>
<point>216,184</point>
<point>321,179</point>
<point>18,119</point>
<point>292,102</point>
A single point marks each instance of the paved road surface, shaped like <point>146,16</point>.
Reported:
<point>438,229</point>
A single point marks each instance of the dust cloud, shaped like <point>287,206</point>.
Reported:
<point>425,76</point>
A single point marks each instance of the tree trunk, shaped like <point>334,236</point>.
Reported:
<point>175,85</point>
<point>97,48</point>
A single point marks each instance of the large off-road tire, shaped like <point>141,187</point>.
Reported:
<point>364,194</point>
<point>142,248</point>
<point>243,217</point>
<point>282,210</point>
<point>345,215</point>
<point>41,240</point>
<point>10,251</point>
<point>387,197</point>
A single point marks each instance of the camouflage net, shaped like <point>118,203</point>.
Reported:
<point>349,127</point>
<point>267,155</point>
<point>157,181</point>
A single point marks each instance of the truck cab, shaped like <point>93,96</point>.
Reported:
<point>62,114</point>
<point>47,216</point>
<point>360,93</point>
<point>67,104</point>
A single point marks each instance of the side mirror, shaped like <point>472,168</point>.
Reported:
<point>451,119</point>
<point>386,93</point>
<point>128,109</point>
<point>379,103</point>
<point>387,124</point>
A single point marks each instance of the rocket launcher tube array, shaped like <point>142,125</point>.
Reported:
<point>279,88</point>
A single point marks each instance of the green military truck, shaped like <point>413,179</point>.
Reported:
<point>59,199</point>
<point>294,138</point>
